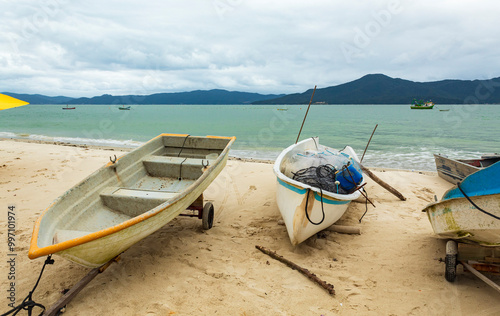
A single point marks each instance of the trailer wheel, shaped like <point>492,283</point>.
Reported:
<point>207,218</point>
<point>451,261</point>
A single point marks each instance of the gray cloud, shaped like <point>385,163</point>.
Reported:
<point>57,47</point>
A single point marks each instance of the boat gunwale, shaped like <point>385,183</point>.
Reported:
<point>451,200</point>
<point>35,251</point>
<point>299,185</point>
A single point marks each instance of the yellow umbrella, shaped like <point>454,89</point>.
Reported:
<point>7,102</point>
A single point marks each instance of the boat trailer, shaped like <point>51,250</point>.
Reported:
<point>205,212</point>
<point>475,259</point>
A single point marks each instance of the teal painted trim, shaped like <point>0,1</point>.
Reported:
<point>326,200</point>
<point>291,187</point>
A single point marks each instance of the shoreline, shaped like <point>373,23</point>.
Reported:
<point>128,149</point>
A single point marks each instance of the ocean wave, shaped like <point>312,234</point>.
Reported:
<point>74,140</point>
<point>405,158</point>
<point>255,154</point>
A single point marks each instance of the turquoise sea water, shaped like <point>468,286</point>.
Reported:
<point>404,138</point>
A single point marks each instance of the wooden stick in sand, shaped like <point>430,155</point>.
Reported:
<point>353,230</point>
<point>307,273</point>
<point>382,183</point>
<point>368,143</point>
<point>312,96</point>
<point>377,179</point>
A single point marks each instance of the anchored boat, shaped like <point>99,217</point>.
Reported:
<point>421,105</point>
<point>315,186</point>
<point>130,198</point>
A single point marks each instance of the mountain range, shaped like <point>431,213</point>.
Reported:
<point>370,89</point>
<point>381,89</point>
<point>216,96</point>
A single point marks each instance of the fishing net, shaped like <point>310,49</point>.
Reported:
<point>327,169</point>
<point>322,177</point>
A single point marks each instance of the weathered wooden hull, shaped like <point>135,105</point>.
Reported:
<point>455,170</point>
<point>458,219</point>
<point>292,197</point>
<point>124,202</point>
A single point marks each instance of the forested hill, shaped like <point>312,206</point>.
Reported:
<point>381,89</point>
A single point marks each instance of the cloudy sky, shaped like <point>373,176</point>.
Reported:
<point>89,48</point>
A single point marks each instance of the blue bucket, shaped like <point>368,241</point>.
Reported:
<point>349,179</point>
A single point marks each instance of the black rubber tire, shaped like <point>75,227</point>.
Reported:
<point>451,261</point>
<point>207,218</point>
<point>451,268</point>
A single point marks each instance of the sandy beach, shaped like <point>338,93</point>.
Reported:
<point>391,268</point>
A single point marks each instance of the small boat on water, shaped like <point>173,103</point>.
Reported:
<point>123,107</point>
<point>67,107</point>
<point>470,211</point>
<point>455,170</point>
<point>315,186</point>
<point>130,198</point>
<point>421,105</point>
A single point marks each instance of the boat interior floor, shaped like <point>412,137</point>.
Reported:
<point>164,178</point>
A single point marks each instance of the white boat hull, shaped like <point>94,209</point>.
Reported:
<point>293,196</point>
<point>292,202</point>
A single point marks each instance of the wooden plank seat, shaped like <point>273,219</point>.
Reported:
<point>133,202</point>
<point>175,167</point>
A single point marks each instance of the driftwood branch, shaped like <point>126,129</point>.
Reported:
<point>382,183</point>
<point>307,273</point>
